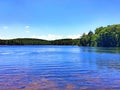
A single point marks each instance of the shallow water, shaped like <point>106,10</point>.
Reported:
<point>59,68</point>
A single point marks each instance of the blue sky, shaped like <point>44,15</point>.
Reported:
<point>53,19</point>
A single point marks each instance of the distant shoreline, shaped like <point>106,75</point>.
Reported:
<point>33,41</point>
<point>108,36</point>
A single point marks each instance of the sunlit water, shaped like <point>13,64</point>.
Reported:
<point>59,68</point>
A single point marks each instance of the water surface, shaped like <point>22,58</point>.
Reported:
<point>59,68</point>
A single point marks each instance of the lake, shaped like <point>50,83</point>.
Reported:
<point>59,68</point>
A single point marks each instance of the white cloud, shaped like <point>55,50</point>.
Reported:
<point>54,37</point>
<point>74,36</point>
<point>5,27</point>
<point>27,29</point>
<point>48,37</point>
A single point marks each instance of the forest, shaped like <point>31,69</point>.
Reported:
<point>32,41</point>
<point>108,36</point>
<point>102,37</point>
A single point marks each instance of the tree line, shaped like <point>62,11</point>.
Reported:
<point>108,36</point>
<point>102,37</point>
<point>32,41</point>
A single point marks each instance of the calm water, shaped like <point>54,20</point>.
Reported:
<point>59,68</point>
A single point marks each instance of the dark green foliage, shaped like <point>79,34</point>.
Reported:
<point>103,37</point>
<point>65,42</point>
<point>86,39</point>
<point>62,42</point>
<point>24,41</point>
<point>30,41</point>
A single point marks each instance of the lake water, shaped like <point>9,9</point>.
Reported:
<point>59,68</point>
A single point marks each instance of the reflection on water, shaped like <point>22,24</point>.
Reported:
<point>59,68</point>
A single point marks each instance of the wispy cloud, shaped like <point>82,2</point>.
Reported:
<point>48,37</point>
<point>74,36</point>
<point>5,27</point>
<point>54,37</point>
<point>27,29</point>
